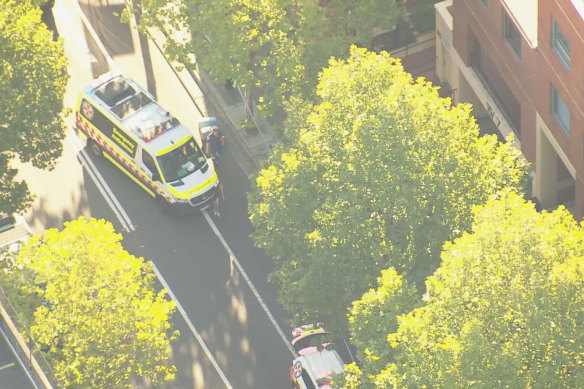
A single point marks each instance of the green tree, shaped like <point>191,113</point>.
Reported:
<point>330,27</point>
<point>504,310</point>
<point>371,319</point>
<point>99,320</point>
<point>249,42</point>
<point>273,48</point>
<point>381,172</point>
<point>33,76</point>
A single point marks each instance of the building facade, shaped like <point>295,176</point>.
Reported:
<point>520,63</point>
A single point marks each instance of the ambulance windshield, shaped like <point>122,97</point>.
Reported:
<point>181,161</point>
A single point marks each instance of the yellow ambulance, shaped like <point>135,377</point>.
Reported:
<point>125,123</point>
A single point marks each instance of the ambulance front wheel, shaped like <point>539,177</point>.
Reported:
<point>95,148</point>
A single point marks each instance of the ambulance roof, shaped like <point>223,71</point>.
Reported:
<point>136,109</point>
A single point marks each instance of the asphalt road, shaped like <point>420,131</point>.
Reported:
<point>13,375</point>
<point>232,329</point>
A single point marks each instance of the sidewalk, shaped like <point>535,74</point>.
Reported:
<point>254,148</point>
<point>249,148</point>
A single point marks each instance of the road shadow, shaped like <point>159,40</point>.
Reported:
<point>99,64</point>
<point>147,59</point>
<point>116,37</point>
<point>193,369</point>
<point>114,34</point>
<point>48,19</point>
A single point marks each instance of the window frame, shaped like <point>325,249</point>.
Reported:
<point>561,45</point>
<point>556,105</point>
<point>148,161</point>
<point>510,30</point>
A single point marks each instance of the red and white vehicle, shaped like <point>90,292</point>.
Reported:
<point>317,362</point>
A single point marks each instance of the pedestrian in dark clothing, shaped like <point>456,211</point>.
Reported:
<point>214,146</point>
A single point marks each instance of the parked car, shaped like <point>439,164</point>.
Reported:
<point>318,361</point>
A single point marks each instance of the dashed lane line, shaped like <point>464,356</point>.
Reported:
<point>232,256</point>
<point>250,284</point>
<point>184,315</point>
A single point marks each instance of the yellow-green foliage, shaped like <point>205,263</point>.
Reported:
<point>33,76</point>
<point>380,173</point>
<point>505,308</point>
<point>273,49</point>
<point>101,321</point>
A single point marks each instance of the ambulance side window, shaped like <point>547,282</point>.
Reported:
<point>149,163</point>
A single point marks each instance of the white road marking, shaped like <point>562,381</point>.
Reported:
<point>99,181</point>
<point>121,214</point>
<point>7,366</point>
<point>233,258</point>
<point>183,313</point>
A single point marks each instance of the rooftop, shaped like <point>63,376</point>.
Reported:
<point>132,105</point>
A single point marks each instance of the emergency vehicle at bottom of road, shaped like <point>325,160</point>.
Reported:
<point>124,123</point>
<point>317,362</point>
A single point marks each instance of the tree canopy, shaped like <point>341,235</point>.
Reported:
<point>33,76</point>
<point>274,48</point>
<point>374,316</point>
<point>96,313</point>
<point>380,172</point>
<point>504,309</point>
<point>329,27</point>
<point>250,43</point>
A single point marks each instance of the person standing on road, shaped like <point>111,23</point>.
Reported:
<point>214,146</point>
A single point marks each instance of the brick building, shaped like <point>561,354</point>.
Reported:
<point>521,64</point>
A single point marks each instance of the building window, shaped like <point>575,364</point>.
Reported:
<point>511,34</point>
<point>474,50</point>
<point>560,110</point>
<point>560,44</point>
